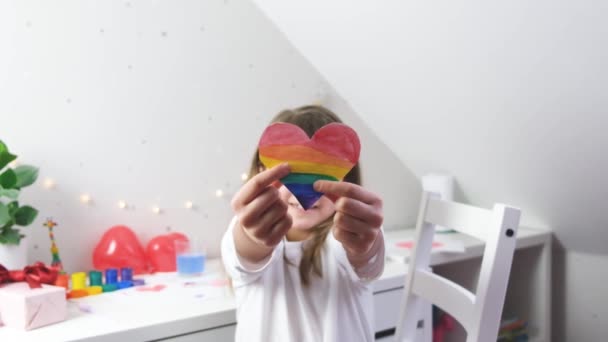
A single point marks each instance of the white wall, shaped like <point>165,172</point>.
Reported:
<point>510,97</point>
<point>154,103</point>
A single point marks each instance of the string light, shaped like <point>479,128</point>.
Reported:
<point>122,204</point>
<point>156,209</point>
<point>48,183</point>
<point>189,205</point>
<point>219,193</point>
<point>244,176</point>
<point>85,198</point>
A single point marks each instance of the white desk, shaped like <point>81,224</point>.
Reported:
<point>207,311</point>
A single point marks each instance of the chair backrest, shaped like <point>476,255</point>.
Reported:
<point>480,312</point>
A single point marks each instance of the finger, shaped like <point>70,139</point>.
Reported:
<point>270,217</point>
<point>352,242</point>
<point>345,189</point>
<point>351,224</point>
<point>360,210</point>
<point>279,230</point>
<point>262,180</point>
<point>249,215</point>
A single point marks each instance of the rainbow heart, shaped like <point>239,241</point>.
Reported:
<point>330,154</point>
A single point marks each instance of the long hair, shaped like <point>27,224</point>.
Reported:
<point>310,119</point>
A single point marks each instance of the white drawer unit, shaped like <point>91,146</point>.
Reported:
<point>386,309</point>
<point>225,333</point>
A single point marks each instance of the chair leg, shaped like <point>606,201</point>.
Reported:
<point>424,329</point>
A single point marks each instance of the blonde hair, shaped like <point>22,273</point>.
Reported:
<point>310,119</point>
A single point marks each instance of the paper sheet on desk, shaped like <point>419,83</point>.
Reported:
<point>186,293</point>
<point>400,250</point>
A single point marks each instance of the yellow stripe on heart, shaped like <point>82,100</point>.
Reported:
<point>297,166</point>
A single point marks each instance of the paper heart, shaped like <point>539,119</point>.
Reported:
<point>119,248</point>
<point>330,154</point>
<point>160,252</point>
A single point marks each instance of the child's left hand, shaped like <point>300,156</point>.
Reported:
<point>358,217</point>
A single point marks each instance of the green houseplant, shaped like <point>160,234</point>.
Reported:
<point>12,180</point>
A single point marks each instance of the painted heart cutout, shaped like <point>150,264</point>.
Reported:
<point>330,154</point>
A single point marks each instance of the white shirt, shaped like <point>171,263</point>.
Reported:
<point>274,305</point>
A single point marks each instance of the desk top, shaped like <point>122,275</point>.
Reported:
<point>187,305</point>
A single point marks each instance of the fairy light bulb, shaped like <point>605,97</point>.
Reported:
<point>156,209</point>
<point>244,176</point>
<point>219,193</point>
<point>188,204</point>
<point>48,183</point>
<point>85,198</point>
<point>122,204</point>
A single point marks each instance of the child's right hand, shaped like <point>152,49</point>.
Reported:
<point>261,213</point>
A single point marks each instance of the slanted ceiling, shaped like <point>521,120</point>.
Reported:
<point>508,97</point>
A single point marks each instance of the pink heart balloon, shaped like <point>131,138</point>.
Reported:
<point>119,247</point>
<point>160,252</point>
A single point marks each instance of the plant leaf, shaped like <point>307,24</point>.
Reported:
<point>5,217</point>
<point>12,207</point>
<point>25,215</point>
<point>26,175</point>
<point>10,193</point>
<point>8,179</point>
<point>5,156</point>
<point>10,236</point>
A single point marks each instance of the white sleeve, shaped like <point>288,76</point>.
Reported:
<point>240,270</point>
<point>367,273</point>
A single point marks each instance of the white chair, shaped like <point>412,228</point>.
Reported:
<point>480,312</point>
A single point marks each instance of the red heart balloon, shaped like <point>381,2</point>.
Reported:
<point>161,252</point>
<point>119,247</point>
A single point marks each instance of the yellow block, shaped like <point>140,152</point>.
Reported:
<point>79,280</point>
<point>94,290</point>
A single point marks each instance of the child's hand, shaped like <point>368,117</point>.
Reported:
<point>261,213</point>
<point>358,217</point>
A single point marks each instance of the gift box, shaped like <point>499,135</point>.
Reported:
<point>28,308</point>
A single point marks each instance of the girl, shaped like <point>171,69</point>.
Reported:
<point>304,275</point>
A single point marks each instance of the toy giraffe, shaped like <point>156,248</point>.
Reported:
<point>50,224</point>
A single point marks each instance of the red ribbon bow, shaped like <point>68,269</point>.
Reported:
<point>35,275</point>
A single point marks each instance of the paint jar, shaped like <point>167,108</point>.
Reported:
<point>190,257</point>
